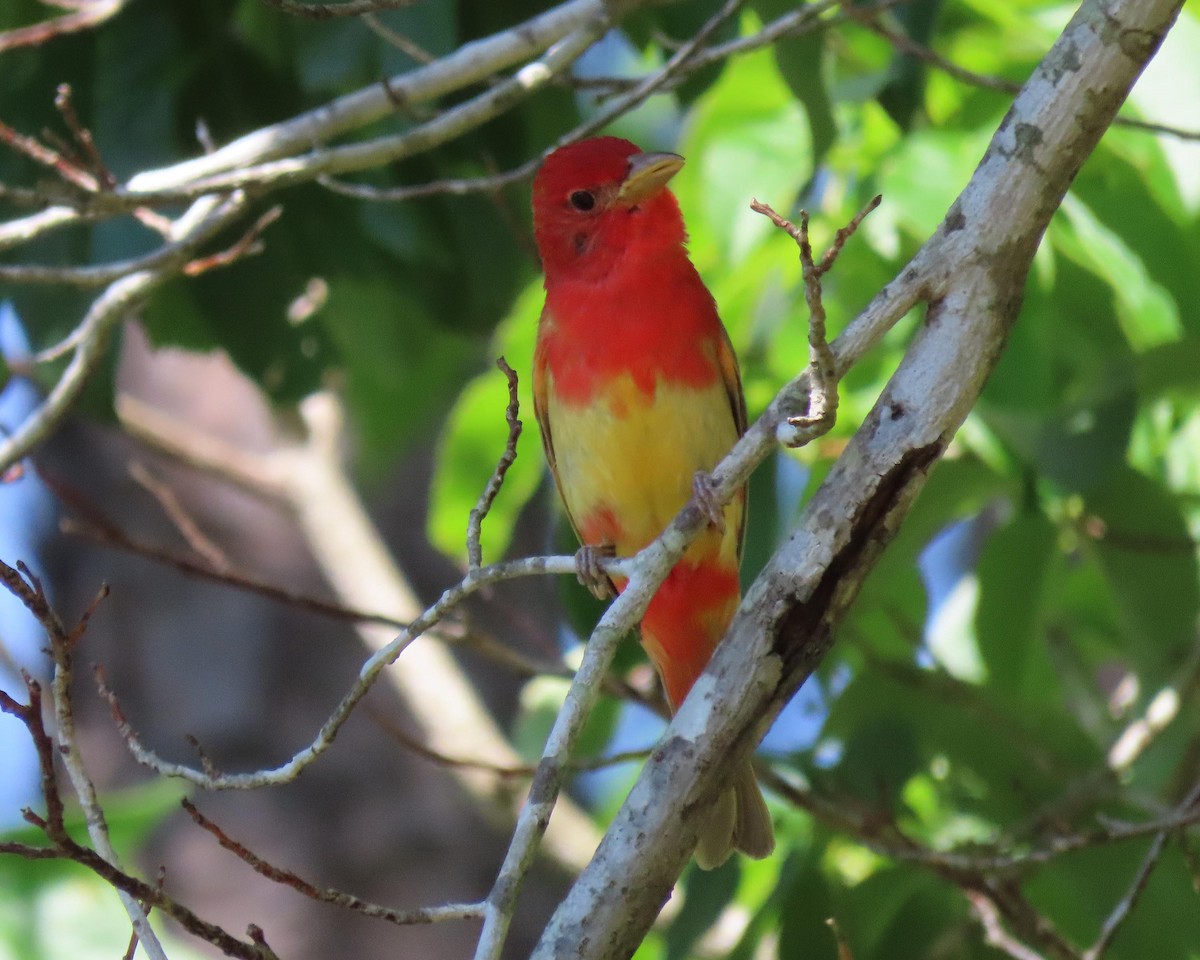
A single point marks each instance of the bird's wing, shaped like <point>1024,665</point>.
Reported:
<point>727,361</point>
<point>541,410</point>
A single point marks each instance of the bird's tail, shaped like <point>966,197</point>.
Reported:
<point>682,626</point>
<point>738,821</point>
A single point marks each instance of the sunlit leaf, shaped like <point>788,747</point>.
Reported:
<point>475,436</point>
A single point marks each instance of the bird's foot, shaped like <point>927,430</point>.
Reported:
<point>590,572</point>
<point>704,493</point>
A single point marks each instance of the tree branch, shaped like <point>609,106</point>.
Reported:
<point>199,225</point>
<point>306,472</point>
<point>971,275</point>
<point>87,16</point>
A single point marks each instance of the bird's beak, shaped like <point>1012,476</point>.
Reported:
<point>648,173</point>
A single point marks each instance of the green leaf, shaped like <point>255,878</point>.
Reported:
<point>804,909</point>
<point>1079,444</point>
<point>706,894</point>
<point>475,435</point>
<point>1149,558</point>
<point>1148,315</point>
<point>541,700</point>
<point>745,138</point>
<point>802,64</point>
<point>904,92</point>
<point>679,21</point>
<point>1009,618</point>
<point>1169,369</point>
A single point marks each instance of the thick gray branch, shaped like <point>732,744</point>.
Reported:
<point>971,274</point>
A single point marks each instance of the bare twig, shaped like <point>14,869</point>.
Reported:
<point>823,373</point>
<point>398,40</point>
<point>518,771</point>
<point>48,157</point>
<point>1124,907</point>
<point>881,834</point>
<point>288,878</point>
<point>183,521</point>
<point>994,931</point>
<point>1150,126</point>
<point>329,11</point>
<point>481,508</point>
<point>871,19</point>
<point>63,102</point>
<point>110,536</point>
<point>247,245</point>
<point>474,581</point>
<point>85,17</point>
<point>107,311</point>
<point>25,587</point>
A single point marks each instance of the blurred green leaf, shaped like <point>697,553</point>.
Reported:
<point>904,91</point>
<point>1170,368</point>
<point>1149,558</point>
<point>541,700</point>
<point>706,894</point>
<point>805,906</point>
<point>802,64</point>
<point>474,437</point>
<point>746,138</point>
<point>1148,316</point>
<point>1009,619</point>
<point>131,814</point>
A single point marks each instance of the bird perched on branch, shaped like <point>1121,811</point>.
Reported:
<point>638,396</point>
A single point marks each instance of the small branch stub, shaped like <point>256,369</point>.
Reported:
<point>822,370</point>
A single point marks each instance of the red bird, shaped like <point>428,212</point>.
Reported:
<point>637,390</point>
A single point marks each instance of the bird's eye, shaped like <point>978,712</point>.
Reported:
<point>582,200</point>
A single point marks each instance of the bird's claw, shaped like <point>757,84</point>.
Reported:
<point>590,572</point>
<point>704,493</point>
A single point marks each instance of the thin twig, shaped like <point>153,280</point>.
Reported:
<point>83,137</point>
<point>48,157</point>
<point>823,372</point>
<point>88,15</point>
<point>247,245</point>
<point>522,771</point>
<point>26,587</point>
<point>994,931</point>
<point>110,536</point>
<point>909,47</point>
<point>1151,126</point>
<point>484,504</point>
<point>97,327</point>
<point>64,847</point>
<point>329,11</point>
<point>288,878</point>
<point>1124,907</point>
<point>183,521</point>
<point>474,581</point>
<point>398,40</point>
<point>883,836</point>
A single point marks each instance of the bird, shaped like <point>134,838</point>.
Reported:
<point>638,396</point>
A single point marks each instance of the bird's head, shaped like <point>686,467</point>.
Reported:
<point>599,200</point>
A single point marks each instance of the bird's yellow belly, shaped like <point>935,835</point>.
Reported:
<point>626,459</point>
